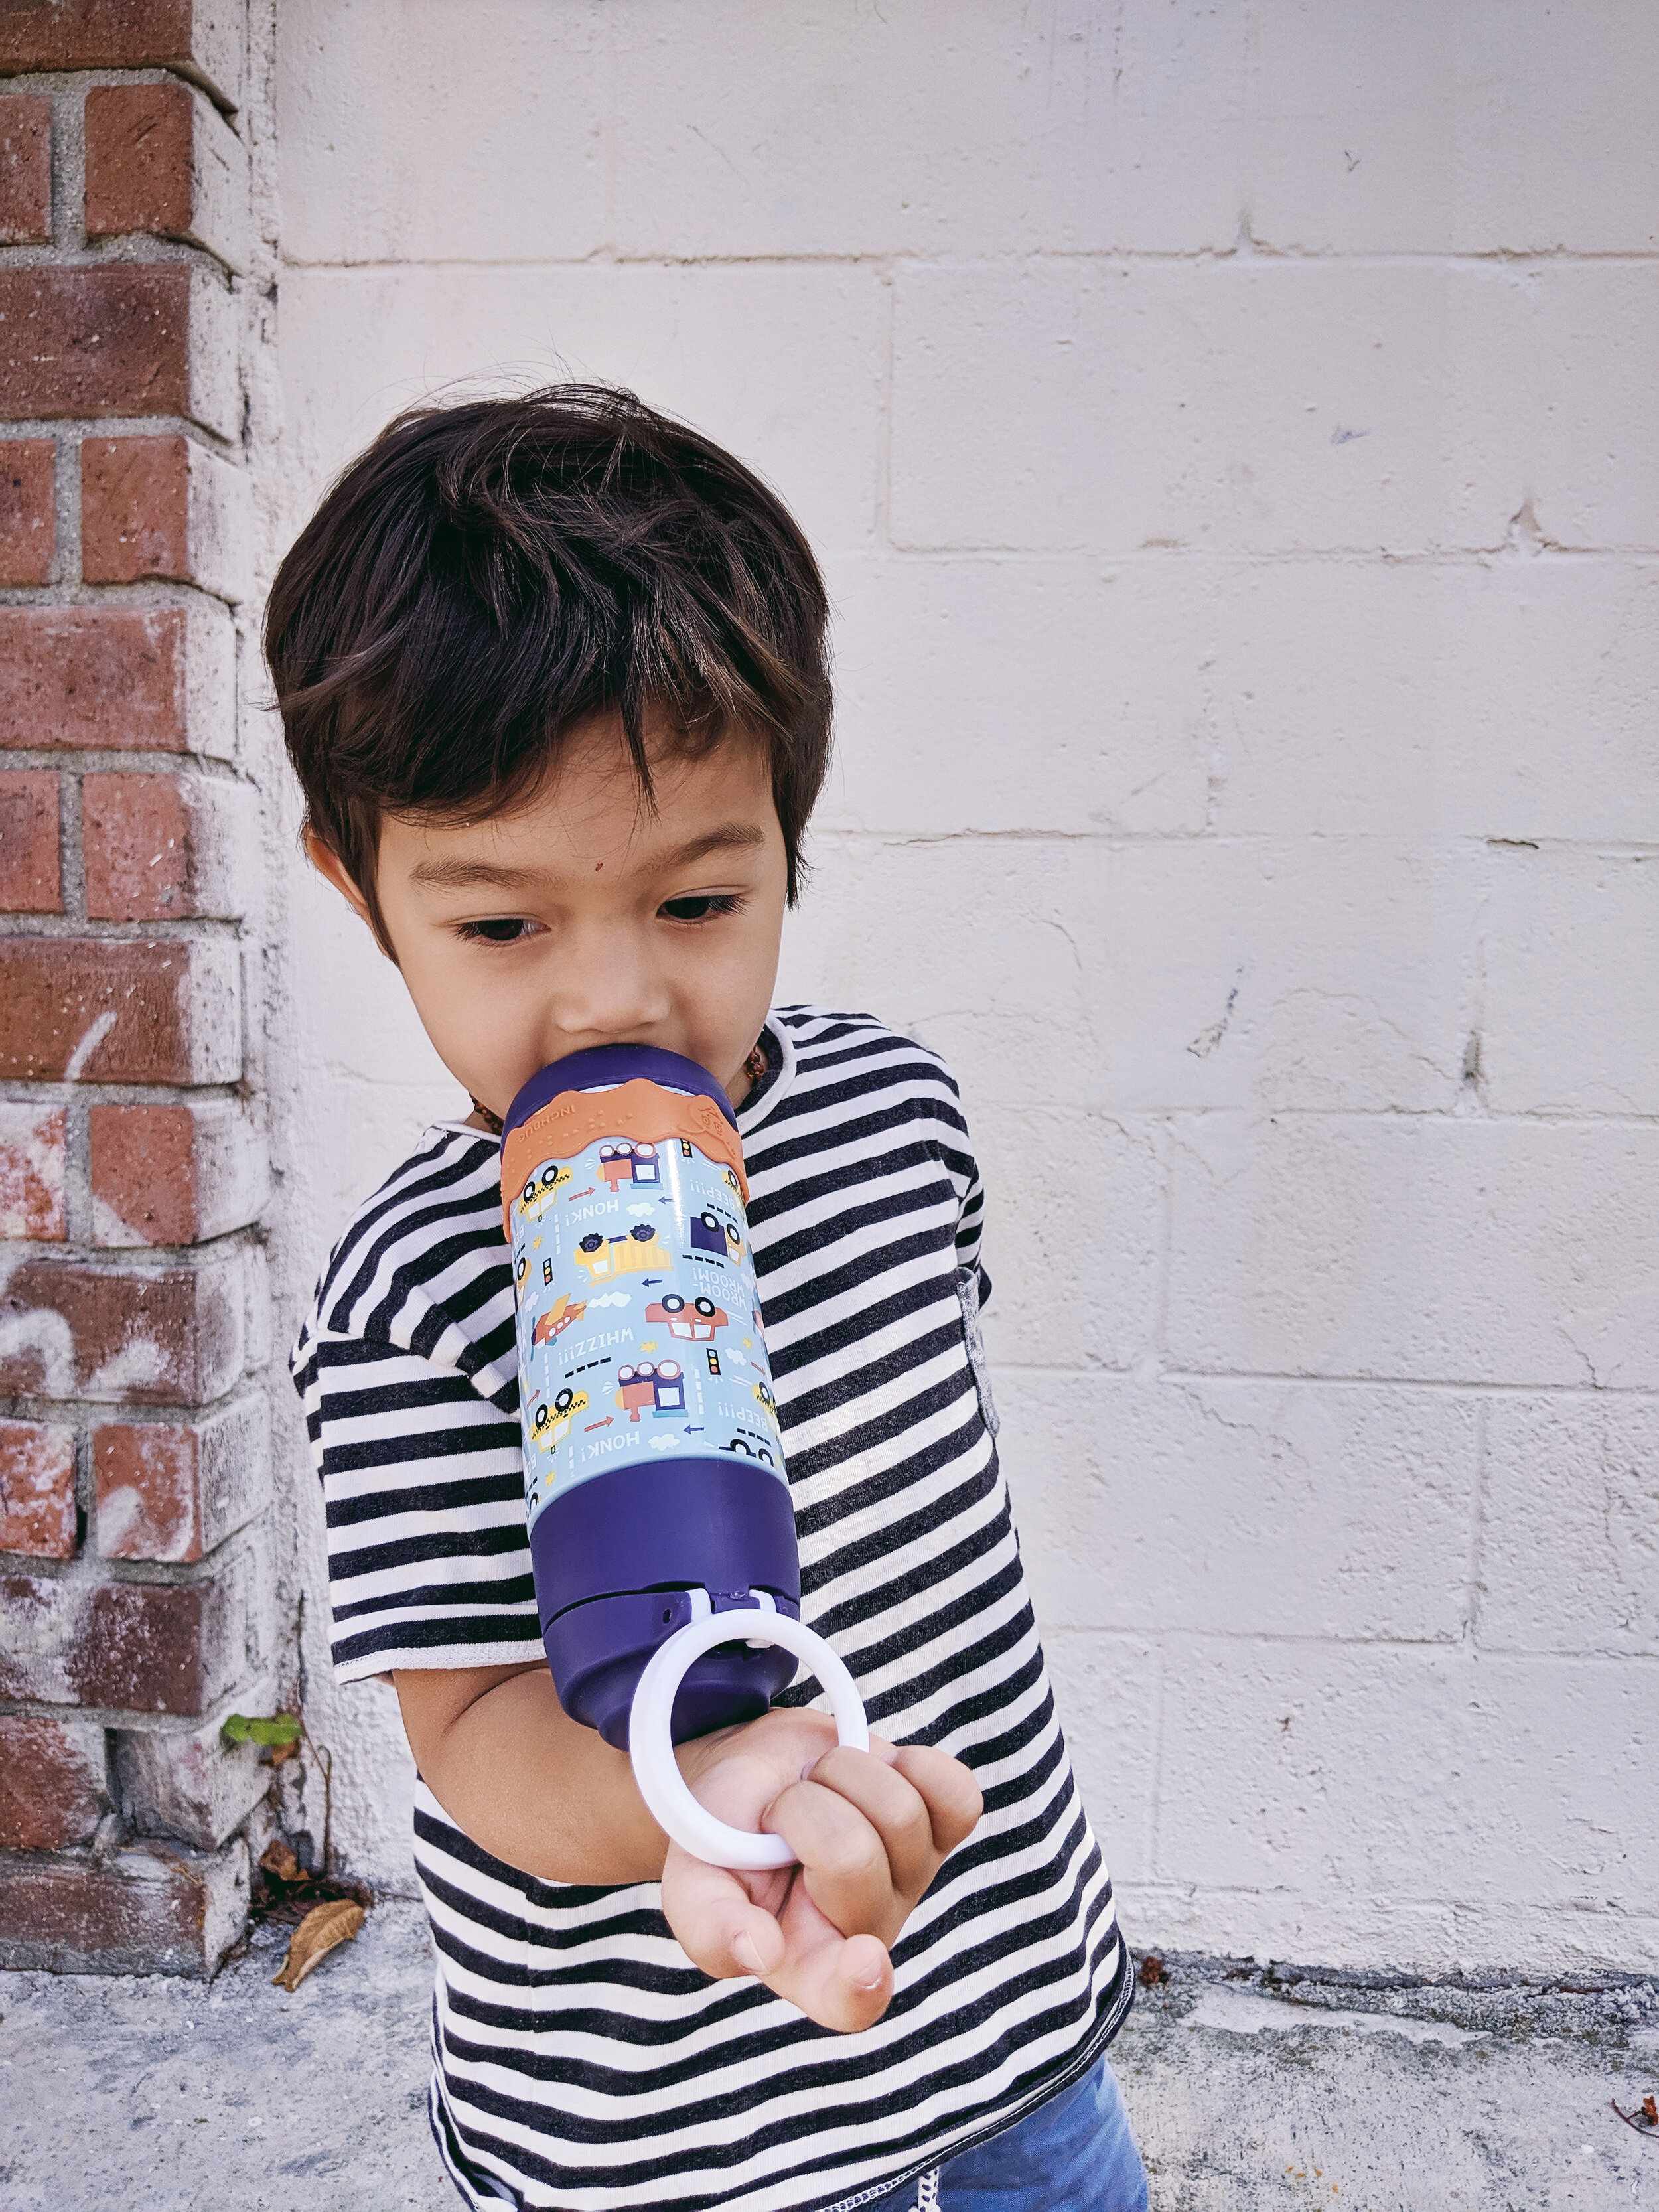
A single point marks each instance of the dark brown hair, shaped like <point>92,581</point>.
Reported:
<point>489,575</point>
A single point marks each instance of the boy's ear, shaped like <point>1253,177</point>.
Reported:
<point>327,862</point>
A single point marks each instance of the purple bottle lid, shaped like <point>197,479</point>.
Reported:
<point>603,1065</point>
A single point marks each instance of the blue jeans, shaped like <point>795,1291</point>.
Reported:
<point>1075,2153</point>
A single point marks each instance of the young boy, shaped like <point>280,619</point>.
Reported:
<point>552,673</point>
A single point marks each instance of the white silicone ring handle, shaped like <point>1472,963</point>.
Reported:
<point>662,1786</point>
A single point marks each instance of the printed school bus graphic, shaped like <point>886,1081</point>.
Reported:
<point>540,1191</point>
<point>557,1318</point>
<point>624,1162</point>
<point>550,1425</point>
<point>695,1319</point>
<point>637,1252</point>
<point>656,1388</point>
<point>766,1398</point>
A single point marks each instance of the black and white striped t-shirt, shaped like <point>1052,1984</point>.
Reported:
<point>580,2060</point>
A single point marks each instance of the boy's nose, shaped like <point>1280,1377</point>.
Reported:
<point>606,990</point>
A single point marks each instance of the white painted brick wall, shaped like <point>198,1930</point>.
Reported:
<point>1228,432</point>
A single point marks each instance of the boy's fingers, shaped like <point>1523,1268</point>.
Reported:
<point>894,1807</point>
<point>843,1861</point>
<point>843,1986</point>
<point>719,1928</point>
<point>857,1988</point>
<point>947,1787</point>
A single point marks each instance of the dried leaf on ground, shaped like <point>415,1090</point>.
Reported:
<point>277,1858</point>
<point>317,1934</point>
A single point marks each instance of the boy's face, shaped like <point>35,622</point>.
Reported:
<point>582,918</point>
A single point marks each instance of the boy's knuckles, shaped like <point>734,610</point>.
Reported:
<point>953,1798</point>
<point>852,1862</point>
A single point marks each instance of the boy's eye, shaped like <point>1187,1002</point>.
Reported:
<point>499,930</point>
<point>700,908</point>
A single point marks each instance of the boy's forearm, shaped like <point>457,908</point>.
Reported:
<point>532,1786</point>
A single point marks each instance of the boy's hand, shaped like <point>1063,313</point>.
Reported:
<point>870,1830</point>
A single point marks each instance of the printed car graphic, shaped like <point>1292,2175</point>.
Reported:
<point>550,1425</point>
<point>540,1191</point>
<point>622,1162</point>
<point>709,1235</point>
<point>657,1387</point>
<point>634,1253</point>
<point>695,1319</point>
<point>750,1447</point>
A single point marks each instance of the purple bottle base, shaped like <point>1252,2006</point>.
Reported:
<point>613,1560</point>
<point>598,1651</point>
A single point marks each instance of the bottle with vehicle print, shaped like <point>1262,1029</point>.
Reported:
<point>654,1480</point>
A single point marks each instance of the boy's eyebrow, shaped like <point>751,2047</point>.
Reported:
<point>729,836</point>
<point>465,875</point>
<point>471,875</point>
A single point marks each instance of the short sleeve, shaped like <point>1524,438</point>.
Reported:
<point>970,1227</point>
<point>422,1481</point>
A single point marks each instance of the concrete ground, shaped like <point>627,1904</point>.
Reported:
<point>1248,2091</point>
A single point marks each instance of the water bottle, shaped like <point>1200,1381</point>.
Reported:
<point>662,1536</point>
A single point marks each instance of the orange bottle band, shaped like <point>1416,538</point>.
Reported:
<point>641,1111</point>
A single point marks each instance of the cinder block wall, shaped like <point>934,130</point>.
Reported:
<point>135,1576</point>
<point>1229,433</point>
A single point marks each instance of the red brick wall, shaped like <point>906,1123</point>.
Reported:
<point>134,1456</point>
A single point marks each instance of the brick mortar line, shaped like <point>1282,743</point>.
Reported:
<point>134,1259</point>
<point>71,594</point>
<point>77,427</point>
<point>1086,551</point>
<point>69,131</point>
<point>85,1093</point>
<point>71,851</point>
<point>1600,1393</point>
<point>1507,557</point>
<point>124,249</point>
<point>144,593</point>
<point>1453,1644</point>
<point>78,1213</point>
<point>128,1720</point>
<point>133,249</point>
<point>251,1387</point>
<point>1148,1117</point>
<point>72,79</point>
<point>62,79</point>
<point>91,1569</point>
<point>1446,845</point>
<point>1568,1904</point>
<point>67,491</point>
<point>62,928</point>
<point>68,1096</point>
<point>252,1391</point>
<point>1503,560</point>
<point>80,761</point>
<point>897,260</point>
